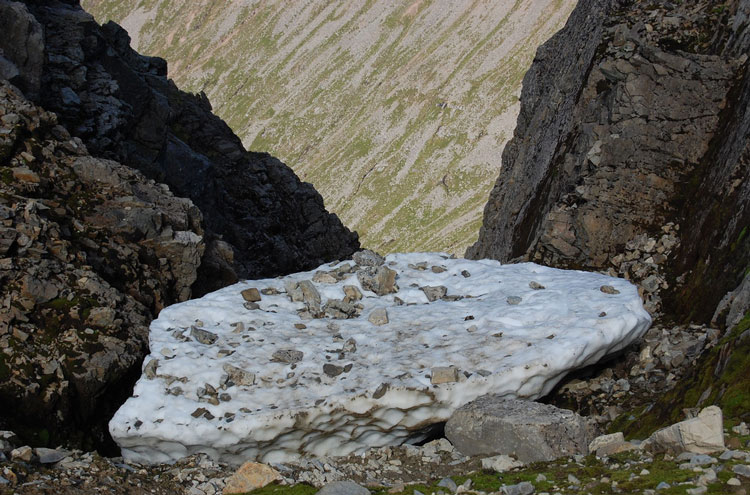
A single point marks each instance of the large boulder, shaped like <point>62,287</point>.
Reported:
<point>703,434</point>
<point>529,431</point>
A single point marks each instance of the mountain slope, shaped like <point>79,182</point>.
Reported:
<point>395,111</point>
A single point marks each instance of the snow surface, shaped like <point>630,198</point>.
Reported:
<point>518,350</point>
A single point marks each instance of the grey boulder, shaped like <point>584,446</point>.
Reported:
<point>343,488</point>
<point>529,431</point>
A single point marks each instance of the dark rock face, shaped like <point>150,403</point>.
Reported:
<point>260,220</point>
<point>90,251</point>
<point>633,127</point>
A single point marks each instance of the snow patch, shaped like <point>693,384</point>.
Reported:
<point>359,385</point>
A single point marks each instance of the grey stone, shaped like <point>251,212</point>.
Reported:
<point>742,470</point>
<point>523,488</point>
<point>381,281</point>
<point>513,300</point>
<point>536,285</point>
<point>434,293</point>
<point>701,435</point>
<point>608,289</point>
<point>366,257</point>
<point>50,456</point>
<point>529,431</point>
<point>203,336</point>
<point>238,375</point>
<point>500,463</point>
<point>449,484</point>
<point>343,488</point>
<point>663,485</point>
<point>310,295</point>
<point>289,356</point>
<point>332,370</point>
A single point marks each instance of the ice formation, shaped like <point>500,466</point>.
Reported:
<point>303,366</point>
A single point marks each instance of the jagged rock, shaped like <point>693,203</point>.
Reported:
<point>527,430</point>
<point>97,251</point>
<point>381,281</point>
<point>368,258</point>
<point>310,295</point>
<point>340,309</point>
<point>352,293</point>
<point>22,47</point>
<point>239,376</point>
<point>621,80</point>
<point>703,434</point>
<point>123,107</point>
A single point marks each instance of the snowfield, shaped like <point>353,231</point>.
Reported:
<point>318,363</point>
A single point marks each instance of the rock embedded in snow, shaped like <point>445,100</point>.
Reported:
<point>378,317</point>
<point>251,294</point>
<point>272,386</point>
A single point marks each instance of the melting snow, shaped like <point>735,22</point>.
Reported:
<point>287,378</point>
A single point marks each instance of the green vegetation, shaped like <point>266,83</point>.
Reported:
<point>622,470</point>
<point>723,374</point>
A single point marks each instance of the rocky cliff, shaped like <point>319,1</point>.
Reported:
<point>90,251</point>
<point>631,152</point>
<point>119,195</point>
<point>394,110</point>
<point>260,220</point>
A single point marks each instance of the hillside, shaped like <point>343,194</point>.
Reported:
<point>395,111</point>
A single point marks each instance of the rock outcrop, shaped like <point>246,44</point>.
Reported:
<point>634,126</point>
<point>260,220</point>
<point>90,252</point>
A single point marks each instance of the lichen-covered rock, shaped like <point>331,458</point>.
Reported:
<point>92,251</point>
<point>634,117</point>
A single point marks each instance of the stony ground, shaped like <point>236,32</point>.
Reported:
<point>607,393</point>
<point>432,469</point>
